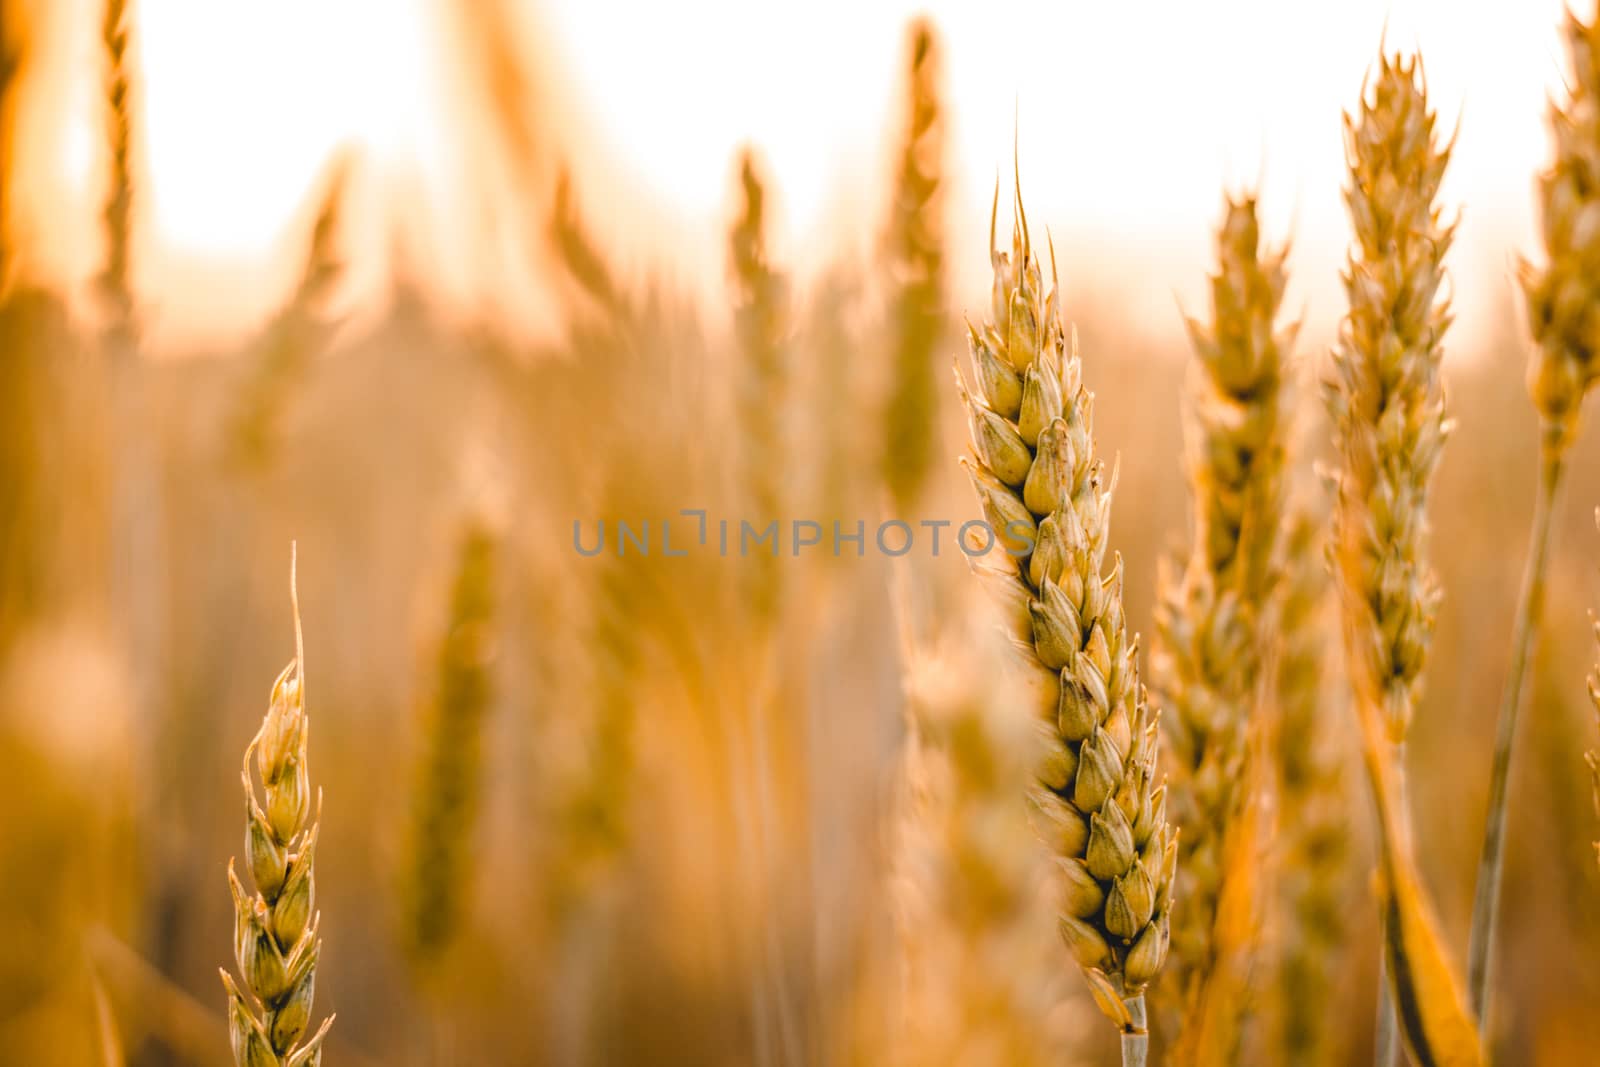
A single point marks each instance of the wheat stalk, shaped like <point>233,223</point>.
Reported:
<point>1044,491</point>
<point>1387,405</point>
<point>1563,316</point>
<point>276,942</point>
<point>451,775</point>
<point>1208,624</point>
<point>916,265</point>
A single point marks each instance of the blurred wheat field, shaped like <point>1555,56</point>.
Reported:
<point>605,769</point>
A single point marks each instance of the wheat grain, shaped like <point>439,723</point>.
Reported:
<point>1563,316</point>
<point>1387,405</point>
<point>916,265</point>
<point>438,880</point>
<point>1205,662</point>
<point>1043,489</point>
<point>276,932</point>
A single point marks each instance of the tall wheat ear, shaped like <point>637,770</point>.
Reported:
<point>1210,625</point>
<point>1564,318</point>
<point>276,932</point>
<point>1386,402</point>
<point>1045,494</point>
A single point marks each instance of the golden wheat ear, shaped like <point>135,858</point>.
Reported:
<point>1209,627</point>
<point>439,872</point>
<point>276,942</point>
<point>1387,405</point>
<point>1563,314</point>
<point>916,265</point>
<point>1044,492</point>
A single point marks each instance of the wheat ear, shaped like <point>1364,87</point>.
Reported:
<point>1312,817</point>
<point>1387,405</point>
<point>760,323</point>
<point>1043,490</point>
<point>451,776</point>
<point>1208,625</point>
<point>916,263</point>
<point>1593,757</point>
<point>291,339</point>
<point>276,942</point>
<point>1563,316</point>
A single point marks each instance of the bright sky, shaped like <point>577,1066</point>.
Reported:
<point>1132,117</point>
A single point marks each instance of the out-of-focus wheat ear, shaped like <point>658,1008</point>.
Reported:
<point>577,251</point>
<point>276,941</point>
<point>1043,489</point>
<point>1386,402</point>
<point>115,284</point>
<point>1312,806</point>
<point>915,266</point>
<point>1210,625</point>
<point>595,830</point>
<point>1564,319</point>
<point>762,382</point>
<point>1593,756</point>
<point>291,339</point>
<point>438,879</point>
<point>10,59</point>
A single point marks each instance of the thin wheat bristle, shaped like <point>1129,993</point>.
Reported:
<point>916,265</point>
<point>277,927</point>
<point>1206,661</point>
<point>1044,492</point>
<point>439,880</point>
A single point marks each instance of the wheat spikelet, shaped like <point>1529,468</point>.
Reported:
<point>1312,813</point>
<point>1387,406</point>
<point>760,322</point>
<point>1044,491</point>
<point>1206,663</point>
<point>451,777</point>
<point>276,941</point>
<point>916,264</point>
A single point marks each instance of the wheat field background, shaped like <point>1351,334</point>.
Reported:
<point>430,296</point>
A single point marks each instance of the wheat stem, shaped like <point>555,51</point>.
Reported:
<point>1136,1036</point>
<point>1491,864</point>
